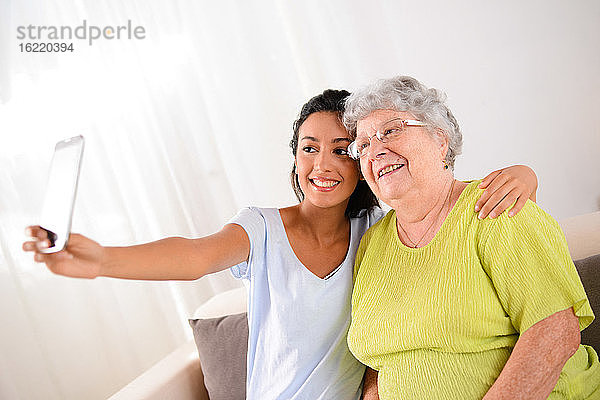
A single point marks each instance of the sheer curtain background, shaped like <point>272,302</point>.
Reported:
<point>190,124</point>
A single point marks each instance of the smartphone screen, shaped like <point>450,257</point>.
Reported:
<point>57,209</point>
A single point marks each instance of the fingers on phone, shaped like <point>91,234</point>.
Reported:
<point>52,259</point>
<point>40,237</point>
<point>30,231</point>
<point>36,245</point>
<point>36,232</point>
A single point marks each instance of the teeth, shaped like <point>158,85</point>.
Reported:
<point>389,169</point>
<point>325,184</point>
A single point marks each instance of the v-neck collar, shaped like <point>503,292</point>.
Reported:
<point>334,273</point>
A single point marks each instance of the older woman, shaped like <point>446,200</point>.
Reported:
<point>447,305</point>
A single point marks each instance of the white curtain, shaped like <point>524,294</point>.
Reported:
<point>190,124</point>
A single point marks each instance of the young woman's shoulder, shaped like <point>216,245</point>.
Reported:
<point>255,213</point>
<point>371,215</point>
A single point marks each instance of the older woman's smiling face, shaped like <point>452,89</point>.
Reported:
<point>404,166</point>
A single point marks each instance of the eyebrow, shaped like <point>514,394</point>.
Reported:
<point>341,139</point>
<point>336,140</point>
<point>383,123</point>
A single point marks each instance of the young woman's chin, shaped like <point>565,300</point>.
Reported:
<point>327,197</point>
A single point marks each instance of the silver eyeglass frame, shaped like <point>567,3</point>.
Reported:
<point>354,153</point>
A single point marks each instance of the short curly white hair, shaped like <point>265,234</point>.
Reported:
<point>404,93</point>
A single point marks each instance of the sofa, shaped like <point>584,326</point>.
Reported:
<point>179,375</point>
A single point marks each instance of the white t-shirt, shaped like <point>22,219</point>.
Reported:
<point>297,322</point>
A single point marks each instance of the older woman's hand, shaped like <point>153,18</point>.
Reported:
<point>505,187</point>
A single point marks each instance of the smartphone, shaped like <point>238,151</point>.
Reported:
<point>59,201</point>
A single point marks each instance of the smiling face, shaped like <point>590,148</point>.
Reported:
<point>326,174</point>
<point>406,166</point>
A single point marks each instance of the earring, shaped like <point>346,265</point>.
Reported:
<point>445,164</point>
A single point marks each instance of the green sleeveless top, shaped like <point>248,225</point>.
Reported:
<point>440,321</point>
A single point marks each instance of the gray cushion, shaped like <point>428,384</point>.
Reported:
<point>222,347</point>
<point>589,271</point>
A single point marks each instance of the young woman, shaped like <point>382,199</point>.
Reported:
<point>298,260</point>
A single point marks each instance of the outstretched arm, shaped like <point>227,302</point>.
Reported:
<point>173,258</point>
<point>504,187</point>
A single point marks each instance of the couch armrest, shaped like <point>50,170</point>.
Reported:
<point>177,376</point>
<point>583,234</point>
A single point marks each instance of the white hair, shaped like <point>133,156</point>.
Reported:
<point>404,93</point>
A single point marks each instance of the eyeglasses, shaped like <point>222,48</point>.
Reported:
<point>387,132</point>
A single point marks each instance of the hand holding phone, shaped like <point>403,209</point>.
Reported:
<point>82,258</point>
<point>59,201</point>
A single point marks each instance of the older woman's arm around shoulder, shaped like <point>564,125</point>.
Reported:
<point>538,358</point>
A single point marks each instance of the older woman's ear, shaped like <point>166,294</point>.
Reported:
<point>442,137</point>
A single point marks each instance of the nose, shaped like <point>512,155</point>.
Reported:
<point>376,149</point>
<point>323,161</point>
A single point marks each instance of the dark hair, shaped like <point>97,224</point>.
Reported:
<point>330,101</point>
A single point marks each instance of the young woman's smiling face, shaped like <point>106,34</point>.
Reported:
<point>327,175</point>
